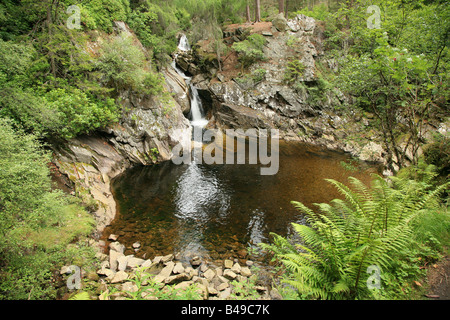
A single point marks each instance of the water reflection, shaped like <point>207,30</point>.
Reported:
<point>198,190</point>
<point>220,210</point>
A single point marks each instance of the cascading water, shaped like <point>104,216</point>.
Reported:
<point>184,43</point>
<point>197,117</point>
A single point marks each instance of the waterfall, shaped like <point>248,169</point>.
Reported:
<point>184,44</point>
<point>197,118</point>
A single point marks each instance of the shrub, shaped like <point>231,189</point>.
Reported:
<point>124,66</point>
<point>36,222</point>
<point>294,71</point>
<point>99,14</point>
<point>250,50</point>
<point>371,227</point>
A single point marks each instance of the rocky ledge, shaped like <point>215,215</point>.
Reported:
<point>122,277</point>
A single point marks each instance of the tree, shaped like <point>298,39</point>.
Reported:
<point>280,6</point>
<point>394,84</point>
<point>257,11</point>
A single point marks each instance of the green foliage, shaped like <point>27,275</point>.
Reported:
<point>393,82</point>
<point>100,14</point>
<point>124,66</point>
<point>79,113</point>
<point>438,154</point>
<point>36,222</point>
<point>294,71</point>
<point>250,50</point>
<point>370,227</point>
<point>156,27</point>
<point>249,81</point>
<point>319,12</point>
<point>244,290</point>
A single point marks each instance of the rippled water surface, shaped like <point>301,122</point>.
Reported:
<point>221,210</point>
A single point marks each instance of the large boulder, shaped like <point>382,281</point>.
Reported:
<point>280,22</point>
<point>302,23</point>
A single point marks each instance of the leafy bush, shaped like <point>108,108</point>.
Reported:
<point>319,12</point>
<point>250,50</point>
<point>156,28</point>
<point>124,66</point>
<point>36,222</point>
<point>371,227</point>
<point>294,71</point>
<point>99,14</point>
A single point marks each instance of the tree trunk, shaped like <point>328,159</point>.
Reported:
<point>247,12</point>
<point>280,6</point>
<point>257,11</point>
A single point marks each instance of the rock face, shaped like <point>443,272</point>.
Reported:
<point>147,131</point>
<point>301,109</point>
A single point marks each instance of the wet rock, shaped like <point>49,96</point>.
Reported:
<point>113,237</point>
<point>136,245</point>
<point>242,253</point>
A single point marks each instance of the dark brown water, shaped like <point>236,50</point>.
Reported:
<point>221,210</point>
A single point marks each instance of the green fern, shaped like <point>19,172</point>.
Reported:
<point>371,226</point>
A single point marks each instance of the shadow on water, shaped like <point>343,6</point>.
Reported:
<point>221,210</point>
